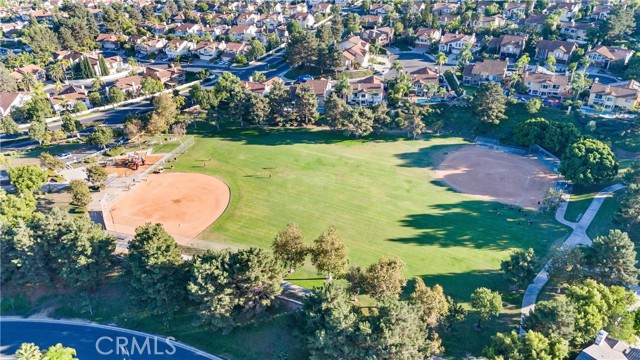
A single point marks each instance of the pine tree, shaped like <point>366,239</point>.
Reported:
<point>613,259</point>
<point>104,70</point>
<point>306,105</point>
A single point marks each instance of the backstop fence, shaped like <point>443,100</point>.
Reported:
<point>495,144</point>
<point>545,157</point>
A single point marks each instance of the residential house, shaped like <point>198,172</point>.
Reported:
<point>232,50</point>
<point>270,21</point>
<point>247,19</point>
<point>9,101</point>
<point>306,20</point>
<point>422,80</point>
<point>68,97</point>
<point>534,21</point>
<point>560,50</point>
<point>445,19</point>
<point>256,87</point>
<point>36,71</point>
<point>444,8</point>
<point>425,37</point>
<point>379,36</point>
<point>109,41</point>
<point>129,84</point>
<point>485,71</point>
<point>295,8</point>
<point>161,29</point>
<point>367,91</point>
<point>515,10</point>
<point>321,8</point>
<point>600,12</point>
<point>544,83</point>
<point>566,10</point>
<point>208,50</point>
<point>508,46</point>
<point>492,22</point>
<point>608,348</point>
<point>453,43</point>
<point>152,46</point>
<point>242,32</point>
<point>603,56</point>
<point>321,87</point>
<point>178,47</point>
<point>577,31</point>
<point>354,49</point>
<point>115,64</point>
<point>186,29</point>
<point>380,9</point>
<point>623,95</point>
<point>342,3</point>
<point>168,75</point>
<point>370,20</point>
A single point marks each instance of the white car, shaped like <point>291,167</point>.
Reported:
<point>64,155</point>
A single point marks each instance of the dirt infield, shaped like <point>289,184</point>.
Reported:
<point>496,176</point>
<point>184,203</point>
<point>120,167</point>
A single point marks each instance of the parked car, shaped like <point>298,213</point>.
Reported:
<point>304,78</point>
<point>64,155</point>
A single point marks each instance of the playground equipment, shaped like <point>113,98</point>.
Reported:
<point>135,161</point>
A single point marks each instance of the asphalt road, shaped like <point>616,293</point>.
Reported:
<point>93,341</point>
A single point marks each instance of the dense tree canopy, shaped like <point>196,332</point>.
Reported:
<point>489,103</point>
<point>589,161</point>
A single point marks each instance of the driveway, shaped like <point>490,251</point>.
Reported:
<point>92,341</point>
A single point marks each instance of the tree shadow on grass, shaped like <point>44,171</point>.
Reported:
<point>478,224</point>
<point>427,157</point>
<point>286,136</point>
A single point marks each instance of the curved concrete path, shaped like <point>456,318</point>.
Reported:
<point>92,341</point>
<point>577,237</point>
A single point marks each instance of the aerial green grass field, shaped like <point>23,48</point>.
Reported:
<point>381,196</point>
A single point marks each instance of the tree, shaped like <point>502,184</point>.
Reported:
<point>567,265</point>
<point>619,22</point>
<point>258,76</point>
<point>70,124</point>
<point>101,136</point>
<point>456,313</point>
<point>165,107</point>
<point>289,248</point>
<point>232,288</point>
<point>361,121</point>
<point>327,324</point>
<point>96,174</point>
<point>357,281</point>
<point>598,307</point>
<point>589,161</point>
<point>50,162</point>
<point>552,200</point>
<point>301,48</point>
<point>279,103</point>
<point>149,85</point>
<point>613,259</point>
<point>80,252</point>
<point>336,111</point>
<point>413,122</point>
<point>555,317</point>
<point>28,351</point>
<point>489,103</point>
<point>256,50</point>
<point>486,303</point>
<point>7,81</point>
<point>16,208</point>
<point>329,253</point>
<point>104,70</point>
<point>40,39</point>
<point>441,59</point>
<point>80,194</point>
<point>38,130</point>
<point>24,259</point>
<point>27,178</point>
<point>259,109</point>
<point>521,267</point>
<point>116,95</point>
<point>384,278</point>
<point>9,126</point>
<point>579,84</point>
<point>532,346</point>
<point>533,105</point>
<point>432,301</point>
<point>306,104</point>
<point>156,270</point>
<point>343,88</point>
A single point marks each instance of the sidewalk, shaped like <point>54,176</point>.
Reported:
<point>577,237</point>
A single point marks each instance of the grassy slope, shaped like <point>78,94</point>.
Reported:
<point>381,197</point>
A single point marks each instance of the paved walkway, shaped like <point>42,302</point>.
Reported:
<point>577,237</point>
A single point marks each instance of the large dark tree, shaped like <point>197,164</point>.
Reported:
<point>521,267</point>
<point>156,270</point>
<point>553,317</point>
<point>612,259</point>
<point>233,288</point>
<point>301,49</point>
<point>589,161</point>
<point>489,103</point>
